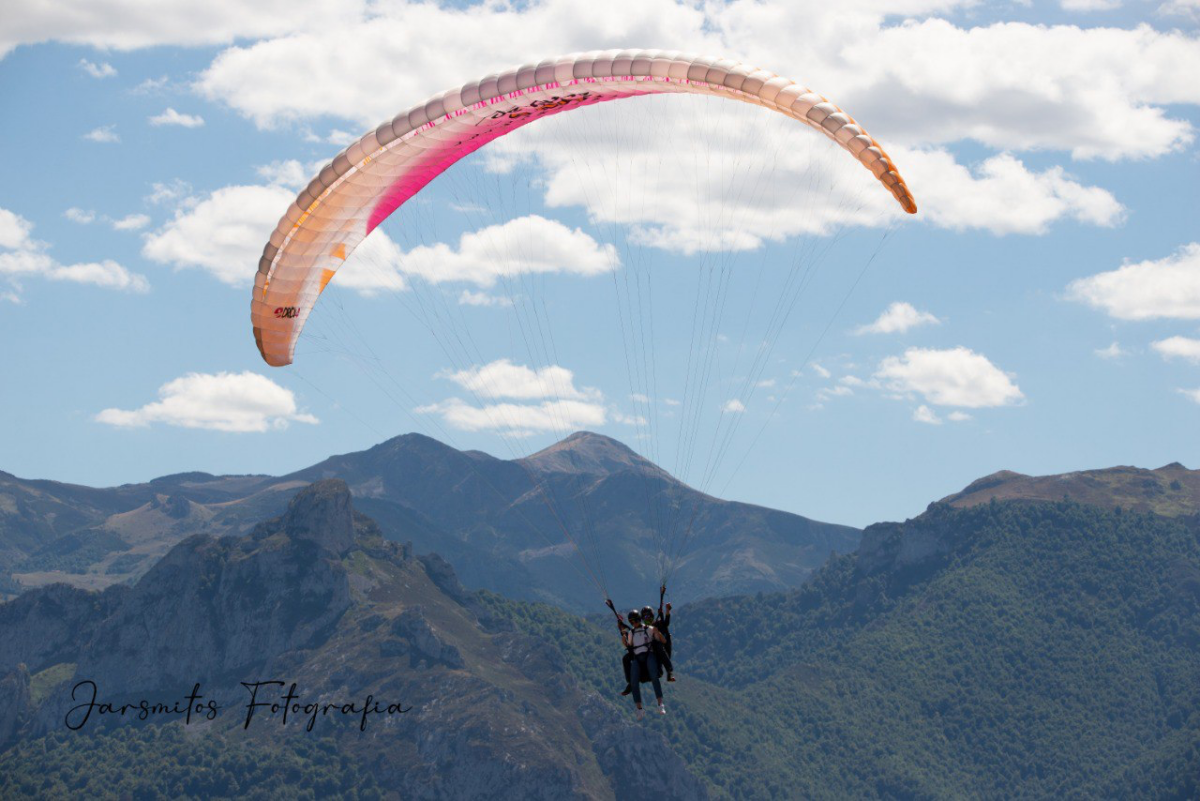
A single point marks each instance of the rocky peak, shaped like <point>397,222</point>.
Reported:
<point>589,453</point>
<point>321,513</point>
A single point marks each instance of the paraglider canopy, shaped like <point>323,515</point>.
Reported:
<point>373,177</point>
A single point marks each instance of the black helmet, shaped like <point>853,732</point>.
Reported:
<point>635,616</point>
<point>648,613</point>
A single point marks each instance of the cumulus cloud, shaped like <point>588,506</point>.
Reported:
<point>1163,288</point>
<point>898,318</point>
<point>130,222</point>
<point>1191,394</point>
<point>558,405</point>
<point>485,256</point>
<point>923,84</point>
<point>950,377</point>
<point>172,117</point>
<point>78,215</point>
<point>15,231</point>
<point>923,414</point>
<point>176,191</point>
<point>1179,348</point>
<point>712,197</point>
<point>105,134</point>
<point>22,257</point>
<point>515,419</point>
<point>223,233</point>
<point>1113,351</point>
<point>503,379</point>
<point>733,406</point>
<point>131,24</point>
<point>1090,5</point>
<point>289,173</point>
<point>1183,9</point>
<point>101,70</point>
<point>1002,195</point>
<point>926,81</point>
<point>469,298</point>
<point>235,402</point>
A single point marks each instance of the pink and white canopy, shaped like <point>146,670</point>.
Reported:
<point>373,177</point>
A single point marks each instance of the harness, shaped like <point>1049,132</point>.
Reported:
<point>640,640</point>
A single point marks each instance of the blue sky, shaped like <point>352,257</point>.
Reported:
<point>1050,286</point>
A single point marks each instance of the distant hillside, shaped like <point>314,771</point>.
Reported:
<point>500,523</point>
<point>1172,490</point>
<point>316,596</point>
<point>1041,650</point>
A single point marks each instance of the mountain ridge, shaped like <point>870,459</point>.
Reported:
<point>521,527</point>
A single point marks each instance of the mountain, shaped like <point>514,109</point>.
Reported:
<point>534,528</point>
<point>319,597</point>
<point>1007,649</point>
<point>1171,490</point>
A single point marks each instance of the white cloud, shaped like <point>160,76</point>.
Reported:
<point>342,138</point>
<point>516,419</point>
<point>1179,348</point>
<point>150,85</point>
<point>485,256</point>
<point>223,233</point>
<point>958,417</point>
<point>710,197</point>
<point>1166,288</point>
<point>1090,5</point>
<point>1191,394</point>
<point>289,173</point>
<point>78,215</point>
<point>951,377</point>
<point>629,419</point>
<point>175,191</point>
<point>733,406</point>
<point>766,383</point>
<point>132,24</point>
<point>1185,9</point>
<point>102,70</point>
<point>561,405</point>
<point>503,379</point>
<point>428,40</point>
<point>923,414</point>
<point>23,257</point>
<point>105,134</point>
<point>931,82</point>
<point>898,318</point>
<point>829,393</point>
<point>469,298</point>
<point>821,371</point>
<point>173,117</point>
<point>1113,351</point>
<point>1002,195</point>
<point>14,231</point>
<point>925,81</point>
<point>923,84</point>
<point>130,222</point>
<point>236,402</point>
